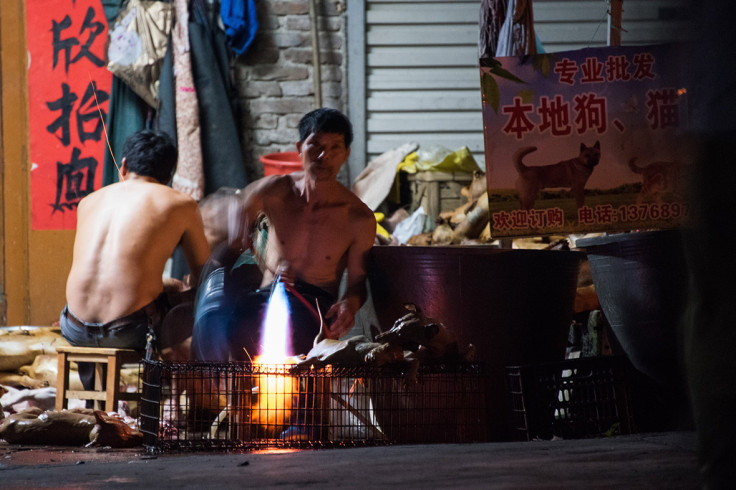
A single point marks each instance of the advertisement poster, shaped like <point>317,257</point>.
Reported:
<point>69,87</point>
<point>585,141</point>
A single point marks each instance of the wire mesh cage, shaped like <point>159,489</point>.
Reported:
<point>575,398</point>
<point>203,405</point>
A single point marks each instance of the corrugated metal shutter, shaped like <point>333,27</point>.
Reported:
<point>563,25</point>
<point>421,75</point>
<point>413,65</point>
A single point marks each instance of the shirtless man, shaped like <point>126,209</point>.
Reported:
<point>317,230</point>
<point>125,233</point>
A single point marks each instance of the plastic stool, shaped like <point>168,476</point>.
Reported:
<point>114,358</point>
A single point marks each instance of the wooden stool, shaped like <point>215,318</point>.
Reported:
<point>114,358</point>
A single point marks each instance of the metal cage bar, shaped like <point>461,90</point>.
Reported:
<point>197,405</point>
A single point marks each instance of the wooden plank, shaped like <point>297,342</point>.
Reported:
<point>419,100</point>
<point>422,35</point>
<point>14,148</point>
<point>85,358</point>
<point>112,384</point>
<point>459,56</point>
<point>614,23</point>
<point>103,351</point>
<point>86,395</point>
<point>62,382</point>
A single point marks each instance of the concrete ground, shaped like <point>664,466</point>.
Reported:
<point>656,460</point>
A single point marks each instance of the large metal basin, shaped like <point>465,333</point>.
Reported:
<point>641,280</point>
<point>515,306</point>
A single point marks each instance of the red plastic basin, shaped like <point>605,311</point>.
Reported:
<point>281,163</point>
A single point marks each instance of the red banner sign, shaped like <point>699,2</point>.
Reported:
<point>69,87</point>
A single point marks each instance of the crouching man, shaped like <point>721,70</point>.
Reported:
<point>317,230</point>
<point>126,231</point>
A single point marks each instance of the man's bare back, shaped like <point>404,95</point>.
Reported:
<point>125,234</point>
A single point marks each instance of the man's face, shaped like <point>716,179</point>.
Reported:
<point>323,154</point>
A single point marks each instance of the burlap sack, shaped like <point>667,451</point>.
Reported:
<point>20,346</point>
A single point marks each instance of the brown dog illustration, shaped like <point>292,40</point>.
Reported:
<point>572,173</point>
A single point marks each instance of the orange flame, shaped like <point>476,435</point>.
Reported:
<point>276,391</point>
<point>276,328</point>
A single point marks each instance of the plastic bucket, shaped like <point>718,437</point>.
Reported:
<point>281,163</point>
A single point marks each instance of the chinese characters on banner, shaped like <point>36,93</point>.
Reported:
<point>67,82</point>
<point>586,141</point>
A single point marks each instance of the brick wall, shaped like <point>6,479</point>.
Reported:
<point>274,78</point>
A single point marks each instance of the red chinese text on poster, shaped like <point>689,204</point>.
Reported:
<point>69,87</point>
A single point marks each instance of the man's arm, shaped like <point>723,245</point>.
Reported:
<point>253,205</point>
<point>347,307</point>
<point>193,242</point>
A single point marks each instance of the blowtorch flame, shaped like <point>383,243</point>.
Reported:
<point>276,328</point>
<point>275,390</point>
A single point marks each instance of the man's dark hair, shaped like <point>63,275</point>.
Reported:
<point>151,153</point>
<point>326,120</point>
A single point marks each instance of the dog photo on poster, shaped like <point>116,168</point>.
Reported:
<point>585,141</point>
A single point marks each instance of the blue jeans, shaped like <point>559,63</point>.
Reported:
<point>130,331</point>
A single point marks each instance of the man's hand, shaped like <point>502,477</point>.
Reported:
<point>174,285</point>
<point>344,319</point>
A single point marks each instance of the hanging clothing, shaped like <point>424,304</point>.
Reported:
<point>517,32</point>
<point>241,23</point>
<point>220,135</point>
<point>126,112</point>
<point>189,176</point>
<point>166,113</point>
<point>492,15</point>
